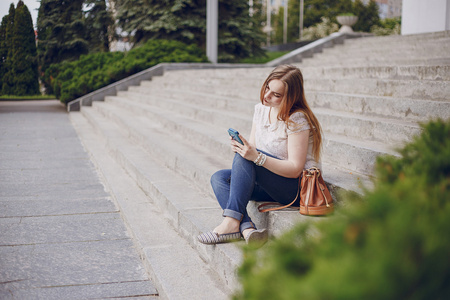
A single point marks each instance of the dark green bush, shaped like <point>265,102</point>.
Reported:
<point>70,80</point>
<point>391,243</point>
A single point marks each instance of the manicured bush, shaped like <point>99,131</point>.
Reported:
<point>70,80</point>
<point>387,27</point>
<point>391,243</point>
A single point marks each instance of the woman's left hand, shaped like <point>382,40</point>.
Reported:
<point>247,151</point>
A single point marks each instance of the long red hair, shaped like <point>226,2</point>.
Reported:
<point>293,101</point>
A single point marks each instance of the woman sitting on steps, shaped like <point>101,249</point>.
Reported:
<point>285,139</point>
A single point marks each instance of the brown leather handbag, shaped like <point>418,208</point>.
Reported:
<point>315,198</point>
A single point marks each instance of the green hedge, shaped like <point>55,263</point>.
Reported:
<point>391,243</point>
<point>70,80</point>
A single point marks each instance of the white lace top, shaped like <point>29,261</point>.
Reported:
<point>272,138</point>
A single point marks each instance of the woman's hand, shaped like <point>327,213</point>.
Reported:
<point>247,151</point>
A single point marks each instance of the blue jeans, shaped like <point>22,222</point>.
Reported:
<point>244,182</point>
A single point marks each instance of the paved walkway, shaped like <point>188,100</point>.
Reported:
<point>61,236</point>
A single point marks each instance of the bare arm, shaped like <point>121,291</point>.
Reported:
<point>291,167</point>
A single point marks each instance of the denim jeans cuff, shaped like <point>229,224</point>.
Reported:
<point>232,214</point>
<point>246,225</point>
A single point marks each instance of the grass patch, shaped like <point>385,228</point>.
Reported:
<point>33,97</point>
<point>262,60</point>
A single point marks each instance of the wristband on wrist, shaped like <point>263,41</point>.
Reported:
<point>263,160</point>
<point>260,160</point>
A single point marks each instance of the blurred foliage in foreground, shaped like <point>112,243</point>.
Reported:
<point>391,243</point>
<point>70,80</point>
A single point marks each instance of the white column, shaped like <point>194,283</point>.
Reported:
<point>212,28</point>
<point>268,27</point>
<point>425,16</point>
<point>285,24</point>
<point>300,29</point>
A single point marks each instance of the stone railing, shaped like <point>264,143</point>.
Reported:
<point>314,47</point>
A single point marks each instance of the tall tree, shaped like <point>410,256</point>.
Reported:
<point>239,35</point>
<point>24,58</point>
<point>182,20</point>
<point>8,78</point>
<point>368,15</point>
<point>100,25</point>
<point>185,21</point>
<point>3,49</point>
<point>61,32</point>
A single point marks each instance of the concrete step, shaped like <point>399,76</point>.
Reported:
<point>367,57</point>
<point>257,76</point>
<point>239,106</point>
<point>175,275</point>
<point>346,53</point>
<point>215,141</point>
<point>413,89</point>
<point>349,124</point>
<point>223,117</point>
<point>180,159</point>
<point>380,129</point>
<point>375,61</point>
<point>206,136</point>
<point>394,42</point>
<point>224,90</point>
<point>400,39</point>
<point>250,89</point>
<point>355,155</point>
<point>411,110</point>
<point>189,210</point>
<point>213,138</point>
<point>365,46</point>
<point>438,73</point>
<point>211,85</point>
<point>396,50</point>
<point>163,141</point>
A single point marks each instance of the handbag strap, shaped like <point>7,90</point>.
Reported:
<point>275,203</point>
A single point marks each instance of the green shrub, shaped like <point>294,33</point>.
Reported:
<point>391,243</point>
<point>70,80</point>
<point>388,26</point>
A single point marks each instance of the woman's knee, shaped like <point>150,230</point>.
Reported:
<point>243,168</point>
<point>220,178</point>
<point>240,162</point>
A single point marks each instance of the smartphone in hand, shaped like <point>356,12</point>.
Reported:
<point>235,135</point>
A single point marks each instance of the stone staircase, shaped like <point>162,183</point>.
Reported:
<point>170,134</point>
